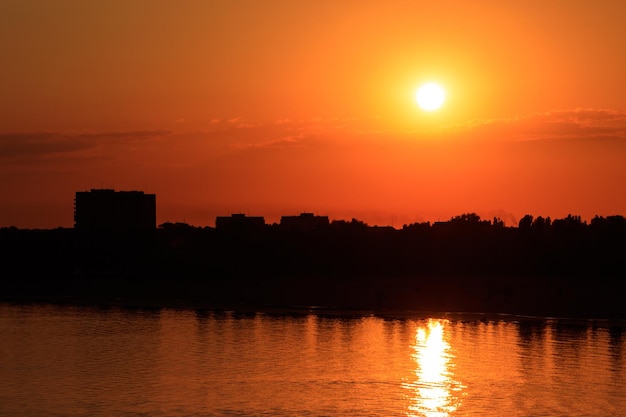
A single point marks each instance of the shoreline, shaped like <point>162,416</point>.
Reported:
<point>303,310</point>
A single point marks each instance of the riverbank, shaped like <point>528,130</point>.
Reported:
<point>480,295</point>
<point>565,270</point>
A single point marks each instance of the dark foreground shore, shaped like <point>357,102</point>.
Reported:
<point>566,269</point>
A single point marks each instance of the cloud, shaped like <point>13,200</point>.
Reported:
<point>572,124</point>
<point>289,140</point>
<point>246,125</point>
<point>128,135</point>
<point>28,144</point>
<point>239,134</point>
<point>42,144</point>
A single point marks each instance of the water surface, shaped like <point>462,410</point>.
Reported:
<point>80,361</point>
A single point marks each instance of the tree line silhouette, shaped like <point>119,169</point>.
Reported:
<point>543,267</point>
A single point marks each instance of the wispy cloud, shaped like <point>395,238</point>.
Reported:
<point>289,140</point>
<point>247,125</point>
<point>578,123</point>
<point>286,132</point>
<point>41,144</point>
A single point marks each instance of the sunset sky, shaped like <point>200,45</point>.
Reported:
<point>276,107</point>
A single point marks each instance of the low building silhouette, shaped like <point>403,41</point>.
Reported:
<point>304,222</point>
<point>239,221</point>
<point>105,209</point>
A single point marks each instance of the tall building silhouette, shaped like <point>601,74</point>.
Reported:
<point>103,209</point>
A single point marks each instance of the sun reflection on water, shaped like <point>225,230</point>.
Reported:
<point>434,393</point>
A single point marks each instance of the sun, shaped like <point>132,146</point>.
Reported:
<point>430,96</point>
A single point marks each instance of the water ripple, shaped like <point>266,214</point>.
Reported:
<point>100,362</point>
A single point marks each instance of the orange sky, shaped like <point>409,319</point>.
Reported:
<point>276,107</point>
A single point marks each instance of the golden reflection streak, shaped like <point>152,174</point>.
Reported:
<point>432,392</point>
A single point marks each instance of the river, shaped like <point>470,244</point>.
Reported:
<point>88,361</point>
